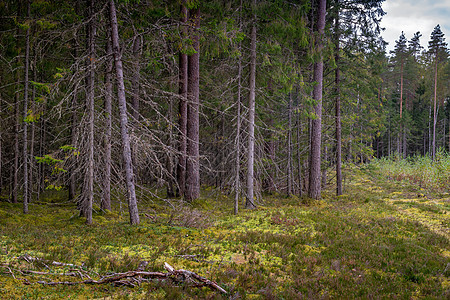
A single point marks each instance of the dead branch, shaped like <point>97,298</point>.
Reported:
<point>30,259</point>
<point>134,278</point>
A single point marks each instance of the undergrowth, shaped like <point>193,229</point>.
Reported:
<point>421,171</point>
<point>378,240</point>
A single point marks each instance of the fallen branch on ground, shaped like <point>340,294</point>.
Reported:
<point>30,259</point>
<point>133,278</point>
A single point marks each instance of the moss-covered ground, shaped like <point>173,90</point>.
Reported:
<point>381,239</point>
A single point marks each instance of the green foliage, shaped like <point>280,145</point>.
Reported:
<point>374,241</point>
<point>41,87</point>
<point>418,170</point>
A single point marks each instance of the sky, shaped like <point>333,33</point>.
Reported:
<point>411,16</point>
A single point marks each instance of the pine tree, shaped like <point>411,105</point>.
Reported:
<point>437,49</point>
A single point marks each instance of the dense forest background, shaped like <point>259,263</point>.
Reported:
<point>115,100</point>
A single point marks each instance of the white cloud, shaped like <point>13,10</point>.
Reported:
<point>411,16</point>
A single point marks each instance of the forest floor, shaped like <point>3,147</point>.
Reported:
<point>381,239</point>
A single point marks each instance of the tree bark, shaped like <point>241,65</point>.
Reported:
<point>289,138</point>
<point>106,200</point>
<point>251,120</point>
<point>299,158</point>
<point>192,190</point>
<point>132,203</point>
<point>15,171</point>
<point>33,132</point>
<point>338,108</point>
<point>433,153</point>
<point>238,136</point>
<point>89,188</point>
<point>25,114</point>
<point>316,128</point>
<point>400,148</point>
<point>182,106</point>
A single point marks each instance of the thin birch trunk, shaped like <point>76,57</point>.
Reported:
<point>132,202</point>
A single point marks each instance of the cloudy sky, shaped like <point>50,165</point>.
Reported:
<point>411,16</point>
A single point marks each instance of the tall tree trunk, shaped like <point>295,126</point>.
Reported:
<point>33,132</point>
<point>89,192</point>
<point>170,157</point>
<point>400,134</point>
<point>316,128</point>
<point>251,120</point>
<point>289,142</point>
<point>182,106</point>
<point>434,108</point>
<point>238,134</point>
<point>15,171</point>
<point>136,77</point>
<point>430,139</point>
<point>337,82</point>
<point>106,200</point>
<point>192,190</point>
<point>1,145</point>
<point>132,203</point>
<point>299,160</point>
<point>25,114</point>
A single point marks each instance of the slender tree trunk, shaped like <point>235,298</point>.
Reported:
<point>192,190</point>
<point>15,171</point>
<point>429,133</point>
<point>182,108</point>
<point>299,160</point>
<point>289,162</point>
<point>132,203</point>
<point>337,82</point>
<point>33,132</point>
<point>169,157</point>
<point>136,77</point>
<point>434,109</point>
<point>106,200</point>
<point>400,134</point>
<point>316,128</point>
<point>251,120</point>
<point>238,134</point>
<point>25,114</point>
<point>1,148</point>
<point>89,193</point>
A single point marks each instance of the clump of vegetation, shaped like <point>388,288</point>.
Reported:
<point>418,170</point>
<point>374,241</point>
